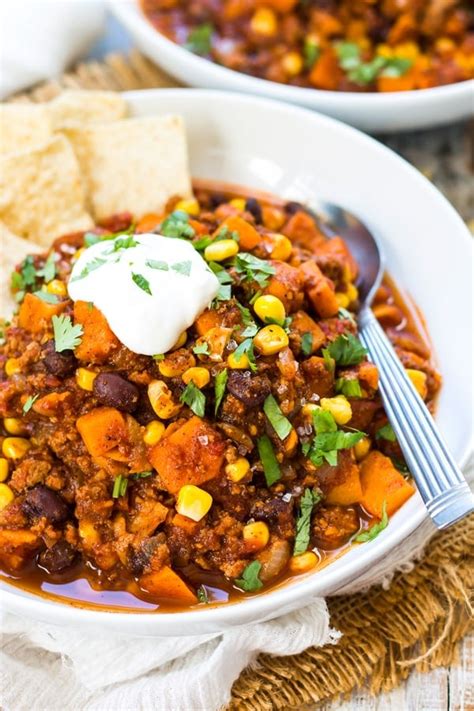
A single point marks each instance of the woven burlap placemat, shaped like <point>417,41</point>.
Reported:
<point>416,624</point>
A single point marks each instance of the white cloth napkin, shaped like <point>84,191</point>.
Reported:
<point>40,38</point>
<point>55,668</point>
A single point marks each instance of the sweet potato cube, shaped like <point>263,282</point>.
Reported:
<point>302,323</point>
<point>381,481</point>
<point>319,290</point>
<point>248,235</point>
<point>35,314</point>
<point>286,284</point>
<point>346,490</point>
<point>97,341</point>
<point>302,229</point>
<point>207,320</point>
<point>102,429</point>
<point>167,584</point>
<point>192,454</point>
<point>339,249</point>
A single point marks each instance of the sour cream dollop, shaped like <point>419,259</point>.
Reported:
<point>150,288</point>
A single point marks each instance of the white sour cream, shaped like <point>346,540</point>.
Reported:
<point>118,281</point>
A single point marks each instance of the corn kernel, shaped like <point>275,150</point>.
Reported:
<point>445,45</point>
<point>199,376</point>
<point>383,50</point>
<point>153,432</point>
<point>418,378</point>
<point>161,400</point>
<point>304,562</point>
<point>342,300</point>
<point>309,408</point>
<point>282,247</point>
<point>339,407</point>
<point>241,364</point>
<point>407,50</point>
<point>3,469</point>
<point>238,469</point>
<point>218,251</point>
<point>238,203</point>
<point>352,293</point>
<point>181,341</point>
<point>271,339</point>
<point>191,206</point>
<point>14,426</point>
<point>12,366</point>
<point>6,496</point>
<point>85,378</point>
<point>270,308</point>
<point>256,535</point>
<point>57,287</point>
<point>292,63</point>
<point>15,447</point>
<point>264,22</point>
<point>362,448</point>
<point>175,366</point>
<point>78,253</point>
<point>193,502</point>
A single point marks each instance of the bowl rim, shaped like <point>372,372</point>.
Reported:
<point>23,602</point>
<point>130,11</point>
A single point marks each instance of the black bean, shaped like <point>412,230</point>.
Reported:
<point>42,501</point>
<point>60,364</point>
<point>292,207</point>
<point>253,206</point>
<point>249,389</point>
<point>59,557</point>
<point>114,391</point>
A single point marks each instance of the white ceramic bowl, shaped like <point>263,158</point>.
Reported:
<point>428,251</point>
<point>372,112</point>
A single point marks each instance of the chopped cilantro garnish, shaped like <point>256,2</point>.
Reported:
<point>48,272</point>
<point>201,348</point>
<point>349,388</point>
<point>66,336</point>
<point>328,440</point>
<point>246,348</point>
<point>199,39</point>
<point>307,343</point>
<point>177,225</point>
<point>124,243</point>
<point>348,54</point>
<point>202,595</point>
<point>225,281</point>
<point>271,467</point>
<point>225,233</point>
<point>120,486</point>
<point>90,239</point>
<point>156,264</point>
<point>182,267</point>
<point>386,432</point>
<point>303,523</point>
<point>158,357</point>
<point>345,314</point>
<point>374,530</point>
<point>142,283</point>
<point>46,296</point>
<point>90,267</point>
<point>253,269</point>
<point>311,51</point>
<point>194,399</point>
<point>396,66</point>
<point>329,362</point>
<point>220,384</point>
<point>29,402</point>
<point>250,580</point>
<point>142,475</point>
<point>363,73</point>
<point>346,350</point>
<point>277,419</point>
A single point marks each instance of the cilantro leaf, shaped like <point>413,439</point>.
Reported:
<point>156,264</point>
<point>142,283</point>
<point>311,52</point>
<point>303,523</point>
<point>348,55</point>
<point>277,419</point>
<point>386,432</point>
<point>345,314</point>
<point>201,348</point>
<point>202,595</point>
<point>246,348</point>
<point>225,281</point>
<point>199,39</point>
<point>250,580</point>
<point>194,399</point>
<point>328,440</point>
<point>182,267</point>
<point>374,530</point>
<point>329,362</point>
<point>90,238</point>
<point>396,66</point>
<point>307,343</point>
<point>90,267</point>
<point>142,475</point>
<point>66,336</point>
<point>346,350</point>
<point>177,225</point>
<point>29,402</point>
<point>271,467</point>
<point>253,269</point>
<point>124,243</point>
<point>48,271</point>
<point>220,384</point>
<point>46,297</point>
<point>348,387</point>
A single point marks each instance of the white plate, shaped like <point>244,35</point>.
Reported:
<point>428,251</point>
<point>372,112</point>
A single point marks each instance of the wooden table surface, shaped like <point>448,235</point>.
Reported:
<point>445,156</point>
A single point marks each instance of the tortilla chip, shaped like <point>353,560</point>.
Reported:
<point>133,165</point>
<point>79,108</point>
<point>41,193</point>
<point>13,250</point>
<point>23,126</point>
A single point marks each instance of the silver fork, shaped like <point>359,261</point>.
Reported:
<point>442,485</point>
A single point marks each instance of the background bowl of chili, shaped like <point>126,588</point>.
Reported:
<point>369,111</point>
<point>229,141</point>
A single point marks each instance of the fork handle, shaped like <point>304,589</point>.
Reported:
<point>442,486</point>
